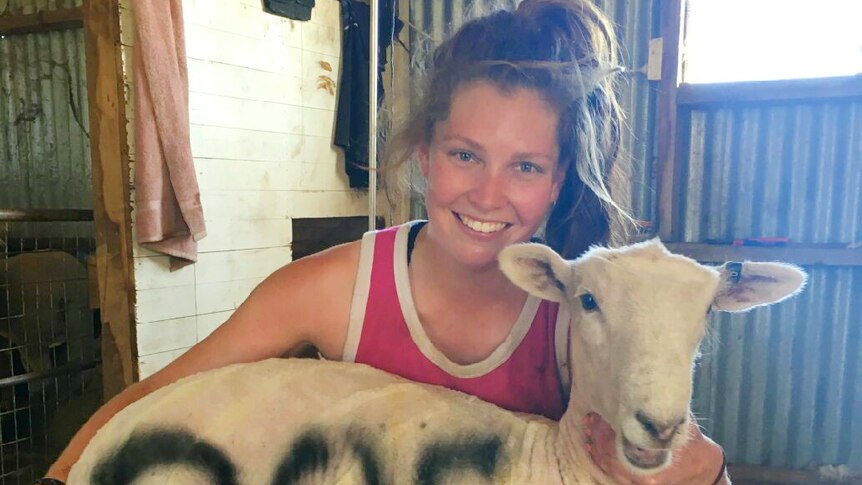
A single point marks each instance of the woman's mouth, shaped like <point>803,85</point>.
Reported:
<point>481,226</point>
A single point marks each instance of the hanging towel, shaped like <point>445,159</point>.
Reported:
<point>169,217</point>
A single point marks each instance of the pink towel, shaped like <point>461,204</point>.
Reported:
<point>169,216</point>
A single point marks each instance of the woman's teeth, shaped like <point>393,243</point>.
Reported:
<point>478,226</point>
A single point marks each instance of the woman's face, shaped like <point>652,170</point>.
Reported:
<point>491,171</point>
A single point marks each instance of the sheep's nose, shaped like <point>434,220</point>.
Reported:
<point>661,431</point>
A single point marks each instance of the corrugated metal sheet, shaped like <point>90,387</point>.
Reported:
<point>44,149</point>
<point>784,388</point>
<point>636,24</point>
<point>792,170</point>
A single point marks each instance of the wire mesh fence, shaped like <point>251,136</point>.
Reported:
<point>50,380</point>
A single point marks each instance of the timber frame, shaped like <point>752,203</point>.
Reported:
<point>109,153</point>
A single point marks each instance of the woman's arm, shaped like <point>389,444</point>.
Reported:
<point>307,301</point>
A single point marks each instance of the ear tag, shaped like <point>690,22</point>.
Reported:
<point>734,270</point>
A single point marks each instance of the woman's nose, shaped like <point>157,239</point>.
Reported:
<point>489,191</point>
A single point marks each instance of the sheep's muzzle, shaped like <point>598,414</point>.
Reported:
<point>644,458</point>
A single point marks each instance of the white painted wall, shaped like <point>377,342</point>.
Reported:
<point>262,111</point>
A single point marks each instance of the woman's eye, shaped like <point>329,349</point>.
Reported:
<point>464,156</point>
<point>589,303</point>
<point>529,167</point>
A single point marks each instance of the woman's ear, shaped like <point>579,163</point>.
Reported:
<point>422,153</point>
<point>559,178</point>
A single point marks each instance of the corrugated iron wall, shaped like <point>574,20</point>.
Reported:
<point>44,146</point>
<point>784,387</point>
<point>792,169</point>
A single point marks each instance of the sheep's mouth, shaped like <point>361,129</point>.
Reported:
<point>644,458</point>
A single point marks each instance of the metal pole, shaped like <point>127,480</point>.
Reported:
<point>372,114</point>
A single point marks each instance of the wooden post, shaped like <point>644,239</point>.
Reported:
<point>109,153</point>
<point>671,28</point>
<point>397,103</point>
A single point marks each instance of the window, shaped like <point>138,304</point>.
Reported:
<point>759,40</point>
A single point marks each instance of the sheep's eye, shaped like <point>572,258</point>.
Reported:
<point>589,303</point>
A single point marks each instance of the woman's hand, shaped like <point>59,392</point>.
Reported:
<point>698,462</point>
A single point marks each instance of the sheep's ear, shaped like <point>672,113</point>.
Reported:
<point>748,285</point>
<point>536,269</point>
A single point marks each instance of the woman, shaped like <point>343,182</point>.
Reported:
<point>518,130</point>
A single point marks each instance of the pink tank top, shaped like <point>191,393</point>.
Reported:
<point>526,373</point>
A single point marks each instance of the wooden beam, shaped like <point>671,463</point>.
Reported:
<point>42,21</point>
<point>666,130</point>
<point>693,95</point>
<point>803,255</point>
<point>764,475</point>
<point>46,215</point>
<point>109,153</point>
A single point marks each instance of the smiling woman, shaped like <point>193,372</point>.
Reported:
<point>491,172</point>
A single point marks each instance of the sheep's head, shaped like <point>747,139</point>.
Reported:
<point>638,316</point>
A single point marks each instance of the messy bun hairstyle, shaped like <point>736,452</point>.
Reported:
<point>565,50</point>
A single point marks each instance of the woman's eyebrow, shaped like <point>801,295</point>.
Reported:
<point>534,155</point>
<point>470,143</point>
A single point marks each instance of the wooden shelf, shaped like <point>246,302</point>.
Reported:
<point>803,255</point>
<point>692,95</point>
<point>42,21</point>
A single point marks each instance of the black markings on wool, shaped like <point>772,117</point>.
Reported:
<point>163,447</point>
<point>480,454</point>
<point>311,453</point>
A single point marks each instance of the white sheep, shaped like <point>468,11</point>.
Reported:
<point>638,315</point>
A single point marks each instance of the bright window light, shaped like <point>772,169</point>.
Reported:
<point>759,40</point>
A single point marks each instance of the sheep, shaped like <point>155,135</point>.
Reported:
<point>637,316</point>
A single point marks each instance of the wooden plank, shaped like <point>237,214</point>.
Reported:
<point>803,255</point>
<point>763,475</point>
<point>167,335</point>
<point>112,213</point>
<point>240,265</point>
<point>666,129</point>
<point>257,234</point>
<point>42,21</point>
<point>49,215</point>
<point>221,111</point>
<point>770,91</point>
<point>212,44</point>
<point>398,102</point>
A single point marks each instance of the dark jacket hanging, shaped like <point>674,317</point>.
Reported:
<point>292,9</point>
<point>351,124</point>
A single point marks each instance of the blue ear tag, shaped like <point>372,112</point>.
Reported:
<point>734,270</point>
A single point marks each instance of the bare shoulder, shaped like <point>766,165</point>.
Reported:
<point>309,299</point>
